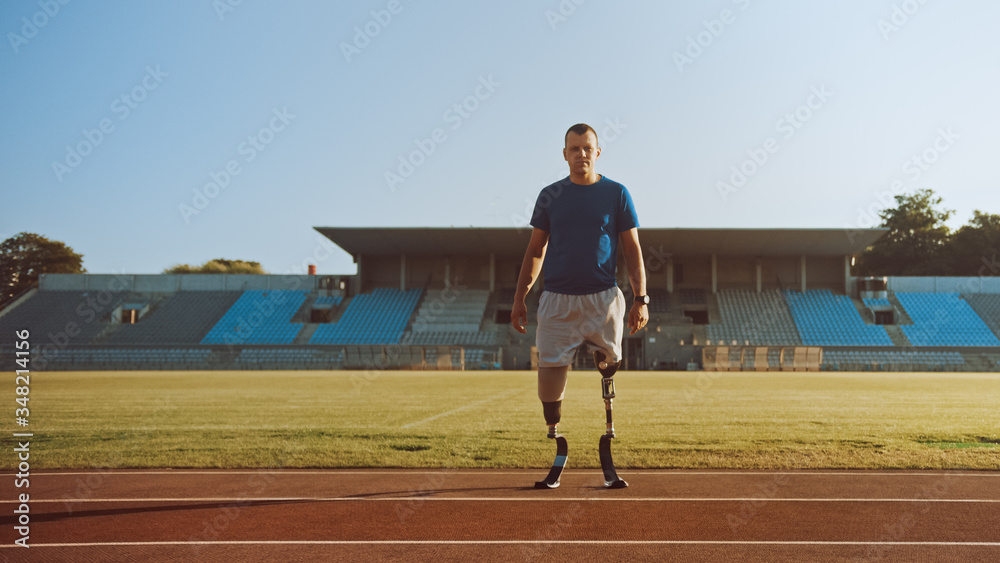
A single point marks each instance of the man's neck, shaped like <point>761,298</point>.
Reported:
<point>585,179</point>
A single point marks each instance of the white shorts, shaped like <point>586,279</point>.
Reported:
<point>567,321</point>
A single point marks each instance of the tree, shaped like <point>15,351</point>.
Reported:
<point>26,255</point>
<point>916,241</point>
<point>972,249</point>
<point>218,266</point>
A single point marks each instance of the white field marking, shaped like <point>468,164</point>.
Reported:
<point>507,499</point>
<point>469,406</point>
<point>514,542</point>
<point>474,472</point>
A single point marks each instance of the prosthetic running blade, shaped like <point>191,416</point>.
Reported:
<point>611,479</point>
<point>551,480</point>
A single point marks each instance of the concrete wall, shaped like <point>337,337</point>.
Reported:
<point>736,271</point>
<point>931,284</point>
<point>470,271</point>
<point>825,271</point>
<point>170,283</point>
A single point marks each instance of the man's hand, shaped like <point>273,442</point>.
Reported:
<point>519,316</point>
<point>638,316</point>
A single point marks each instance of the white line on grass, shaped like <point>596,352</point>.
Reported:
<point>469,406</point>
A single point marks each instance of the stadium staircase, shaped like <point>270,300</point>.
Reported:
<point>987,306</point>
<point>902,317</point>
<point>456,317</point>
<point>17,300</point>
<point>864,311</point>
<point>305,335</point>
<point>896,335</point>
<point>714,310</point>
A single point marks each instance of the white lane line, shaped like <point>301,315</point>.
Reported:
<point>462,408</point>
<point>516,542</point>
<point>504,499</point>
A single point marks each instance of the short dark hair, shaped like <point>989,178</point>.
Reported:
<point>579,129</point>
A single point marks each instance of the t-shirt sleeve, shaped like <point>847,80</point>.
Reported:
<point>627,218</point>
<point>540,216</point>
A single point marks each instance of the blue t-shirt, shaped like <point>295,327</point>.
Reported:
<point>583,223</point>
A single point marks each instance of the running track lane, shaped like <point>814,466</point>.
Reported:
<point>460,514</point>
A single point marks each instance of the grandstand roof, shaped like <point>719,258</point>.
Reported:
<point>512,241</point>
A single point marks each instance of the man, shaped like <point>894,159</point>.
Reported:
<point>577,225</point>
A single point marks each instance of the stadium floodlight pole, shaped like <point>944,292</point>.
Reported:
<point>611,479</point>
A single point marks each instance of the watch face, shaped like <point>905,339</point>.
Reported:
<point>644,299</point>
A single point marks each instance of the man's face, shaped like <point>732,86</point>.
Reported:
<point>581,152</point>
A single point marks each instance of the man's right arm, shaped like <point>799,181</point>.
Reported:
<point>531,266</point>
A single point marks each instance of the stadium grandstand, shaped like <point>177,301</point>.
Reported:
<point>440,298</point>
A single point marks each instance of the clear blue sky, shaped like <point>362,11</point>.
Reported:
<point>311,116</point>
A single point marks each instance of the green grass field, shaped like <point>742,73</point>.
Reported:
<point>493,419</point>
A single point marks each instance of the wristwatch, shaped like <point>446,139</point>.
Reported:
<point>644,299</point>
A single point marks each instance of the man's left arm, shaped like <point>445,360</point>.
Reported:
<point>638,315</point>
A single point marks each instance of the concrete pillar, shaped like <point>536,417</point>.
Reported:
<point>759,275</point>
<point>402,272</point>
<point>493,272</point>
<point>802,272</point>
<point>847,275</point>
<point>715,274</point>
<point>361,272</point>
<point>670,274</point>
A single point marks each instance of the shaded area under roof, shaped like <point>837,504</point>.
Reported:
<point>442,241</point>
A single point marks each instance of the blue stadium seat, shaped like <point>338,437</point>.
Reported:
<point>259,317</point>
<point>944,319</point>
<point>825,319</point>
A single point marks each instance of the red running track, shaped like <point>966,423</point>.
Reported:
<point>461,515</point>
